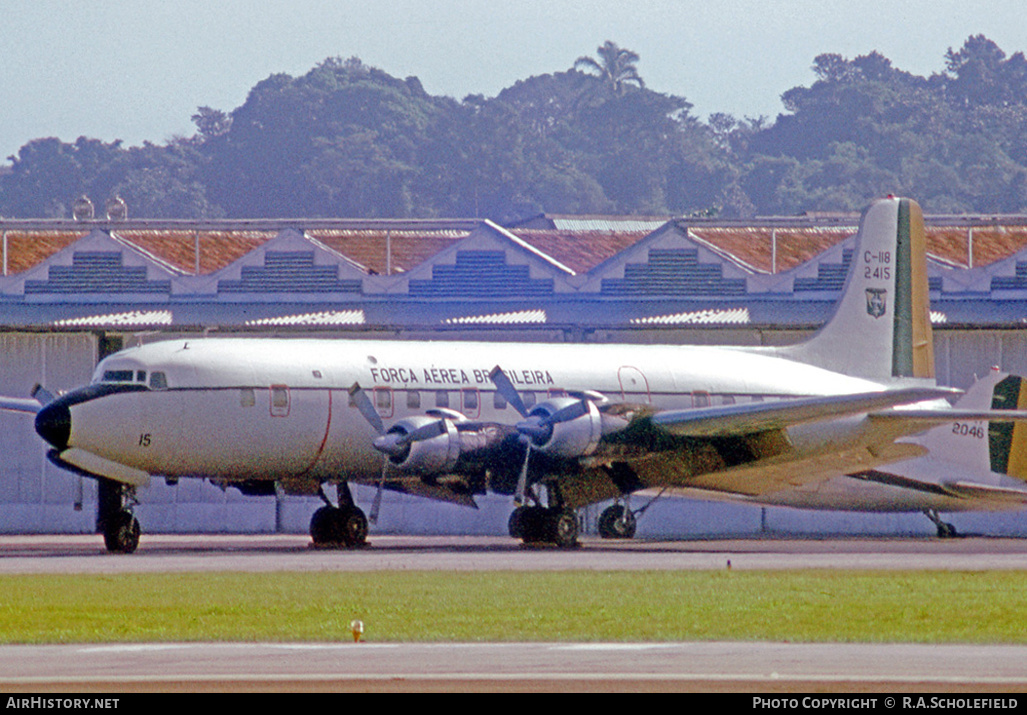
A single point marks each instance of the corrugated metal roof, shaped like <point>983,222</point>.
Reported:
<point>587,222</point>
<point>209,251</point>
<point>25,249</point>
<point>609,223</point>
<point>580,250</point>
<point>385,252</point>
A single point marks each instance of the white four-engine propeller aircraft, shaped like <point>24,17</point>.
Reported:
<point>558,426</point>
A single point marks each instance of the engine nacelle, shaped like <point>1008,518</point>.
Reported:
<point>435,455</point>
<point>575,437</point>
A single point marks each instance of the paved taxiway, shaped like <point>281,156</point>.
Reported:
<point>525,667</point>
<point>158,553</point>
<point>734,667</point>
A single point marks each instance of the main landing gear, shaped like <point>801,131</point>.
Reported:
<point>556,524</point>
<point>343,526</point>
<point>539,525</point>
<point>945,529</point>
<point>118,523</point>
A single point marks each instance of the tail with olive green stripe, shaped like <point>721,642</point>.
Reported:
<point>881,327</point>
<point>1007,441</point>
<point>982,446</point>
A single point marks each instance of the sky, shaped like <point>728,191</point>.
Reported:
<point>136,70</point>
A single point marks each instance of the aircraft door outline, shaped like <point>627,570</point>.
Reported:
<point>633,381</point>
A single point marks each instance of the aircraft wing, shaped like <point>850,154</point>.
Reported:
<point>750,418</point>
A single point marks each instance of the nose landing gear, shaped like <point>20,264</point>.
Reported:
<point>117,522</point>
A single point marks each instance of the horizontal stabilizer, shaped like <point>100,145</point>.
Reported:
<point>933,417</point>
<point>1003,495</point>
<point>749,418</point>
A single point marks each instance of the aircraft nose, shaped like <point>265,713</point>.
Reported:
<point>53,423</point>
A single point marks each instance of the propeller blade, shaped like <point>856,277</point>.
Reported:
<point>367,409</point>
<point>522,479</point>
<point>42,395</point>
<point>376,505</point>
<point>568,413</point>
<point>507,390</point>
<point>430,430</point>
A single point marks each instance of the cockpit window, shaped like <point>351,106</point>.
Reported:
<point>158,381</point>
<point>140,375</point>
<point>118,376</point>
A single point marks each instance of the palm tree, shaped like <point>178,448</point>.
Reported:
<point>615,67</point>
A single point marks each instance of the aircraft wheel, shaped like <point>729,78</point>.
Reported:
<point>121,534</point>
<point>516,523</point>
<point>321,527</point>
<point>616,522</point>
<point>563,528</point>
<point>946,531</point>
<point>528,523</point>
<point>332,526</point>
<point>351,526</point>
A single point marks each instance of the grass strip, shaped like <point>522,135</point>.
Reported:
<point>816,606</point>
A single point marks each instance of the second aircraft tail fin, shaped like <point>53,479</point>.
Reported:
<point>985,446</point>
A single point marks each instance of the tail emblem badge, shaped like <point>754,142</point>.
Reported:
<point>877,302</point>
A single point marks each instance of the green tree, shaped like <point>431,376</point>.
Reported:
<point>615,68</point>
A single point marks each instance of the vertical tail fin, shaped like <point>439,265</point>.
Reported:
<point>1007,441</point>
<point>981,446</point>
<point>881,327</point>
<point>978,445</point>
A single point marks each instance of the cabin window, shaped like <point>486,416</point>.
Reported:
<point>700,398</point>
<point>728,400</point>
<point>247,397</point>
<point>117,376</point>
<point>528,398</point>
<point>471,402</point>
<point>383,401</point>
<point>414,399</point>
<point>498,401</point>
<point>158,381</point>
<point>442,398</point>
<point>279,401</point>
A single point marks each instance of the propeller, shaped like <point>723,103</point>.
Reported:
<point>536,427</point>
<point>513,398</point>
<point>395,444</point>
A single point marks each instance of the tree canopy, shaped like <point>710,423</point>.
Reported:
<point>347,139</point>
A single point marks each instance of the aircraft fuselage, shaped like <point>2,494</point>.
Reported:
<point>279,409</point>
